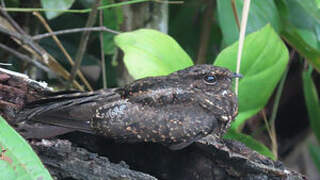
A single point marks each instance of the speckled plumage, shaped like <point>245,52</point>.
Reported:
<point>174,110</point>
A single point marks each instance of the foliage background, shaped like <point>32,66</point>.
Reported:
<point>279,104</point>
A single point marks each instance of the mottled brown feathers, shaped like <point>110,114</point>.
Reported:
<point>174,110</point>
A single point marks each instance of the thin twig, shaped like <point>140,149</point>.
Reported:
<point>205,33</point>
<point>277,97</point>
<point>46,25</point>
<point>24,39</point>
<point>276,105</point>
<point>20,35</point>
<point>89,9</point>
<point>244,18</point>
<point>272,135</point>
<point>75,30</point>
<point>24,57</point>
<point>103,61</point>
<point>84,40</point>
<point>279,91</point>
<point>235,13</point>
<point>28,44</point>
<point>10,20</point>
<point>75,10</point>
<point>12,33</point>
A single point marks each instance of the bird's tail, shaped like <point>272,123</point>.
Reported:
<point>36,111</point>
<point>57,114</point>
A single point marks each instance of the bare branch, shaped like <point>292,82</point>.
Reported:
<point>75,30</point>
<point>46,25</point>
<point>103,61</point>
<point>25,41</point>
<point>84,40</point>
<point>24,57</point>
<point>20,34</point>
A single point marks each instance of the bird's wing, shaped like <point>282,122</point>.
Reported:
<point>155,92</point>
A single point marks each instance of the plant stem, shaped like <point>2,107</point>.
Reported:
<point>244,18</point>
<point>103,61</point>
<point>74,10</point>
<point>84,41</point>
<point>235,13</point>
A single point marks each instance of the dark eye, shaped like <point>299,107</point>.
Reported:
<point>210,79</point>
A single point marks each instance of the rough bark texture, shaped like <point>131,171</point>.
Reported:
<point>15,90</point>
<point>63,161</point>
<point>208,158</point>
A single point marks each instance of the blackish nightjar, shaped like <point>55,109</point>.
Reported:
<point>173,110</point>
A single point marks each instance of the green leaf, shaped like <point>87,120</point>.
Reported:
<point>151,53</point>
<point>303,14</point>
<point>249,142</point>
<point>315,155</point>
<point>305,48</point>
<point>301,20</point>
<point>260,14</point>
<point>18,161</point>
<point>7,172</point>
<point>264,60</point>
<point>50,4</point>
<point>318,3</point>
<point>308,36</point>
<point>312,102</point>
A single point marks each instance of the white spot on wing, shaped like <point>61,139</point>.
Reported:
<point>112,112</point>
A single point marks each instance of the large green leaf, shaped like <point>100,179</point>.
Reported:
<point>60,4</point>
<point>302,28</point>
<point>260,14</point>
<point>264,60</point>
<point>312,102</point>
<point>303,14</point>
<point>249,142</point>
<point>151,53</point>
<point>18,161</point>
<point>297,39</point>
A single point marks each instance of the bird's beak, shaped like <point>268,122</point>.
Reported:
<point>237,75</point>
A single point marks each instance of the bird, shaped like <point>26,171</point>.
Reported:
<point>174,110</point>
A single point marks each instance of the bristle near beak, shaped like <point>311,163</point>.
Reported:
<point>237,75</point>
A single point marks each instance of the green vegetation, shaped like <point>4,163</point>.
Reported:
<point>275,28</point>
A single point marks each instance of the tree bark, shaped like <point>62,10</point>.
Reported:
<point>64,161</point>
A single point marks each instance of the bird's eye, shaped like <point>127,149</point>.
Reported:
<point>210,79</point>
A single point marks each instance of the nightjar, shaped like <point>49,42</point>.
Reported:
<point>174,110</point>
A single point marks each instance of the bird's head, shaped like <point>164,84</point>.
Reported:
<point>212,88</point>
